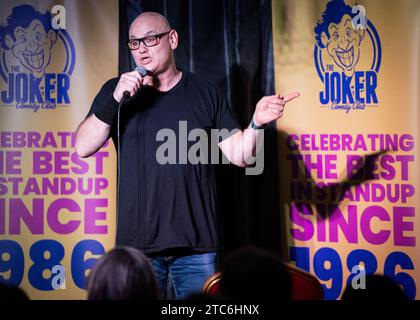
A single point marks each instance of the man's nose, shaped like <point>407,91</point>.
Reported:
<point>142,48</point>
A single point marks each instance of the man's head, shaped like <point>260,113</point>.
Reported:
<point>155,58</point>
<point>255,273</point>
<point>335,32</point>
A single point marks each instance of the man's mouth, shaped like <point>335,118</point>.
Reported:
<point>346,57</point>
<point>35,60</point>
<point>145,60</point>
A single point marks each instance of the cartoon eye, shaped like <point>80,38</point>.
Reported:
<point>335,35</point>
<point>38,37</point>
<point>348,32</point>
<point>22,39</point>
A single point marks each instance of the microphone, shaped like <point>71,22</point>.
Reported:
<point>143,72</point>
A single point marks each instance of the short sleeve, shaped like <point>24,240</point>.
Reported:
<point>104,105</point>
<point>224,116</point>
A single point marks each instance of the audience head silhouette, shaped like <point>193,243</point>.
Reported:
<point>254,273</point>
<point>377,287</point>
<point>12,293</point>
<point>122,274</point>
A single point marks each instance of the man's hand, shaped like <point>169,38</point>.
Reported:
<point>270,108</point>
<point>131,82</point>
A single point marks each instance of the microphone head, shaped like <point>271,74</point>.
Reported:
<point>141,70</point>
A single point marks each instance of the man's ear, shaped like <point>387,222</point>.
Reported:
<point>52,36</point>
<point>9,41</point>
<point>173,39</point>
<point>324,39</point>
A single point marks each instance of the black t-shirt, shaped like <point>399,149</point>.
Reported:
<point>165,206</point>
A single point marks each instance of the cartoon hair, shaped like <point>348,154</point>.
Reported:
<point>334,12</point>
<point>22,16</point>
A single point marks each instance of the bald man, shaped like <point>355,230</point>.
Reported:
<point>168,209</point>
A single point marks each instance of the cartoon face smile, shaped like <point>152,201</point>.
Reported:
<point>32,46</point>
<point>343,44</point>
<point>349,72</point>
<point>346,58</point>
<point>37,60</point>
<point>336,33</point>
<point>34,61</point>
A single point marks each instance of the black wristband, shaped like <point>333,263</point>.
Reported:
<point>106,110</point>
<point>255,127</point>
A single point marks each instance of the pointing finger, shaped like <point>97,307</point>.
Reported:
<point>291,96</point>
<point>276,101</point>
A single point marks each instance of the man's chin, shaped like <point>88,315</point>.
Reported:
<point>148,66</point>
<point>151,69</point>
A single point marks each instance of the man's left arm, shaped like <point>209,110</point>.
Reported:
<point>241,147</point>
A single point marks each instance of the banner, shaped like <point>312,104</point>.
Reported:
<point>57,211</point>
<point>348,147</point>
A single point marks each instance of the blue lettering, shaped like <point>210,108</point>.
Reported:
<point>345,83</point>
<point>63,86</point>
<point>335,87</point>
<point>26,89</point>
<point>338,89</point>
<point>34,92</point>
<point>8,99</point>
<point>359,87</point>
<point>371,83</point>
<point>49,87</point>
<point>324,97</point>
<point>21,88</point>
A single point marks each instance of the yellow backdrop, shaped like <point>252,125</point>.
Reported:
<point>359,85</point>
<point>55,209</point>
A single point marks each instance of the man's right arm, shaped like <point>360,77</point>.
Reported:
<point>91,135</point>
<point>95,130</point>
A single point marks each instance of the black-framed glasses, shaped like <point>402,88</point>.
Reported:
<point>148,41</point>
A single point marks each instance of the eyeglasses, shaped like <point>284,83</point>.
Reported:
<point>149,41</point>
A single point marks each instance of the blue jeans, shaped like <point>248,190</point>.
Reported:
<point>188,272</point>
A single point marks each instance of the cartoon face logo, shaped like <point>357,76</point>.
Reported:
<point>36,61</point>
<point>32,46</point>
<point>28,34</point>
<point>347,59</point>
<point>335,32</point>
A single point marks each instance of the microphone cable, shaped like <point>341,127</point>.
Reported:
<point>126,95</point>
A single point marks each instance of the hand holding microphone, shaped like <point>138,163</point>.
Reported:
<point>127,86</point>
<point>130,82</point>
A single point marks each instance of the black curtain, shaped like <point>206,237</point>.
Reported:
<point>230,43</point>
